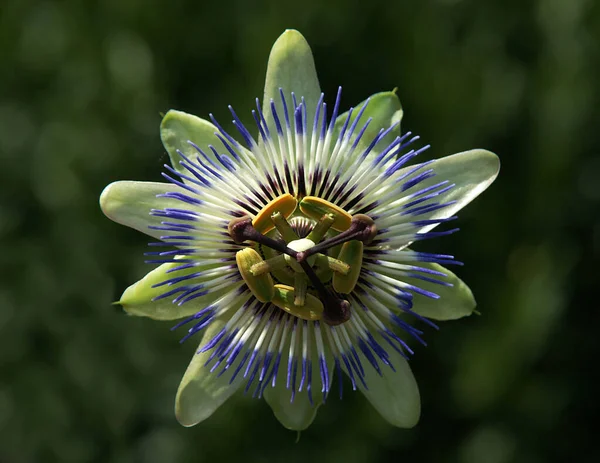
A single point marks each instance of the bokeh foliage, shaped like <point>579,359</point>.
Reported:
<point>82,85</point>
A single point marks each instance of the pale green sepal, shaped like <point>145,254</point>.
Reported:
<point>137,299</point>
<point>129,203</point>
<point>471,172</point>
<point>177,128</point>
<point>395,394</point>
<point>201,392</point>
<point>291,67</point>
<point>385,110</point>
<point>297,415</point>
<point>455,301</point>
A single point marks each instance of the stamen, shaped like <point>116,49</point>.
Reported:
<point>264,266</point>
<point>300,288</point>
<point>338,265</point>
<point>321,228</point>
<point>362,228</point>
<point>284,228</point>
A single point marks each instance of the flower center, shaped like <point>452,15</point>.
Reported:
<point>310,276</point>
<point>301,245</point>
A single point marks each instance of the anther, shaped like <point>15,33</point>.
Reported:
<point>284,298</point>
<point>284,204</point>
<point>261,286</point>
<point>362,228</point>
<point>316,208</point>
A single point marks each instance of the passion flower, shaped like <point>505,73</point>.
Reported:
<point>287,251</point>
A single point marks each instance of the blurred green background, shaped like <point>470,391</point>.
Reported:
<point>81,87</point>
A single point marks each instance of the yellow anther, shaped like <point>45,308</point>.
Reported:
<point>316,208</point>
<point>321,228</point>
<point>284,228</point>
<point>262,285</point>
<point>284,299</point>
<point>352,254</point>
<point>285,204</point>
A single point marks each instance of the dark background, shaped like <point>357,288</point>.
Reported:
<point>82,84</point>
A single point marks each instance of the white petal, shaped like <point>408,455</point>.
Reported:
<point>202,392</point>
<point>297,415</point>
<point>177,128</point>
<point>129,203</point>
<point>395,394</point>
<point>455,301</point>
<point>141,297</point>
<point>291,67</point>
<point>471,172</point>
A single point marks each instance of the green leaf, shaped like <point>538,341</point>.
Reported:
<point>137,299</point>
<point>291,67</point>
<point>394,394</point>
<point>129,203</point>
<point>177,128</point>
<point>455,301</point>
<point>385,110</point>
<point>201,392</point>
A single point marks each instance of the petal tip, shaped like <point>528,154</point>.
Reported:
<point>405,419</point>
<point>172,114</point>
<point>295,416</point>
<point>108,200</point>
<point>297,423</point>
<point>182,422</point>
<point>395,395</point>
<point>290,36</point>
<point>291,67</point>
<point>495,159</point>
<point>490,161</point>
<point>187,412</point>
<point>178,128</point>
<point>291,49</point>
<point>183,417</point>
